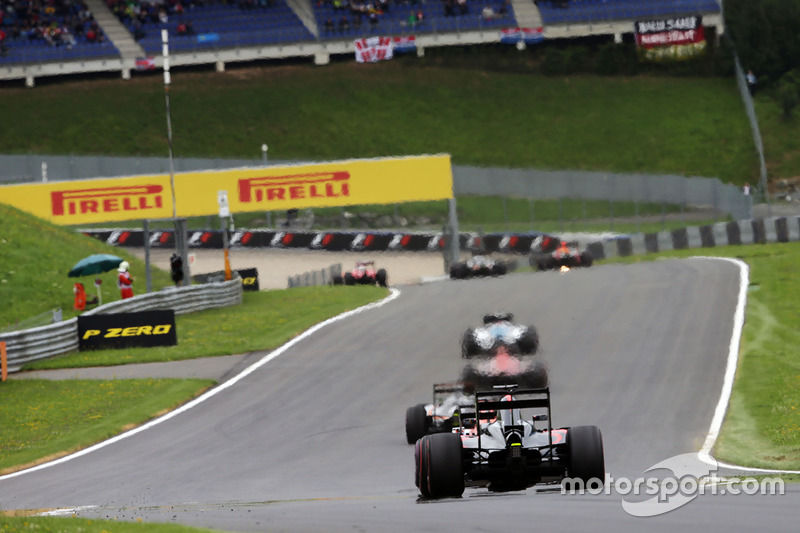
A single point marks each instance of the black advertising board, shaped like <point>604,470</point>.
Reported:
<point>127,330</point>
<point>249,278</point>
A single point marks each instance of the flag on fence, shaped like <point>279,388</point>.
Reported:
<point>145,63</point>
<point>373,49</point>
<point>402,45</point>
<point>526,35</point>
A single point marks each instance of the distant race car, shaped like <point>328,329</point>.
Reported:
<point>481,266</point>
<point>364,273</point>
<point>499,329</point>
<point>439,416</point>
<point>495,447</point>
<point>566,255</point>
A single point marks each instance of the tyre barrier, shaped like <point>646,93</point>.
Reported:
<point>751,231</point>
<point>356,241</point>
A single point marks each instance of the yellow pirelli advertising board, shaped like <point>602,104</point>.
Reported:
<point>335,183</point>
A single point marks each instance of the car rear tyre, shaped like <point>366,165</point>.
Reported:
<point>586,259</point>
<point>528,343</point>
<point>445,474</point>
<point>416,423</point>
<point>499,269</point>
<point>469,348</point>
<point>421,469</point>
<point>337,280</point>
<point>349,279</point>
<point>381,277</point>
<point>586,460</point>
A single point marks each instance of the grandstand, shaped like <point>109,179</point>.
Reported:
<point>82,36</point>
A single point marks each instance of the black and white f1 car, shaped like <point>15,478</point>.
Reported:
<point>439,416</point>
<point>496,447</point>
<point>499,329</point>
<point>481,266</point>
<point>566,255</point>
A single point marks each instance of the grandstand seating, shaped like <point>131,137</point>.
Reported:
<point>226,26</point>
<point>247,23</point>
<point>31,46</point>
<point>587,11</point>
<point>395,20</point>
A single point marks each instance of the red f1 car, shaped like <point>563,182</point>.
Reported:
<point>566,255</point>
<point>364,273</point>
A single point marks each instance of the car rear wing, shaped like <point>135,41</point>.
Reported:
<point>491,400</point>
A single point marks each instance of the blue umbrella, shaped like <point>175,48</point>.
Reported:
<point>95,264</point>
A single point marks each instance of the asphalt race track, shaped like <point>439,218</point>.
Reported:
<point>314,439</point>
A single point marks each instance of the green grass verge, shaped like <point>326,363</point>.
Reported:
<point>44,419</point>
<point>680,125</point>
<point>264,320</point>
<point>762,426</point>
<point>47,524</point>
<point>35,258</point>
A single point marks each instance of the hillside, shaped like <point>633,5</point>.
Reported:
<point>35,257</point>
<point>679,125</point>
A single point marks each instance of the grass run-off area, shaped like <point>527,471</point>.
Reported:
<point>762,426</point>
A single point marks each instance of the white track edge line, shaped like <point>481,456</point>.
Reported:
<point>730,373</point>
<point>393,295</point>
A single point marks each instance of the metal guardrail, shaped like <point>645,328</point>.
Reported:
<point>48,317</point>
<point>324,276</point>
<point>62,338</point>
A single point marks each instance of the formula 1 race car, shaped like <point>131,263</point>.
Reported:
<point>566,255</point>
<point>481,266</point>
<point>495,447</point>
<point>364,273</point>
<point>499,329</point>
<point>439,416</point>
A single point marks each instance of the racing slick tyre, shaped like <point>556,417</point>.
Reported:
<point>536,377</point>
<point>586,460</point>
<point>416,423</point>
<point>348,278</point>
<point>458,271</point>
<point>528,343</point>
<point>469,347</point>
<point>441,453</point>
<point>499,269</point>
<point>337,280</point>
<point>421,470</point>
<point>586,259</point>
<point>381,278</point>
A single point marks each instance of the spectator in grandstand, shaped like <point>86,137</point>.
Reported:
<point>487,13</point>
<point>502,9</point>
<point>463,8</point>
<point>329,25</point>
<point>344,24</point>
<point>185,28</point>
<point>138,31</point>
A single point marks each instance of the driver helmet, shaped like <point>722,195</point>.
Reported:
<point>124,266</point>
